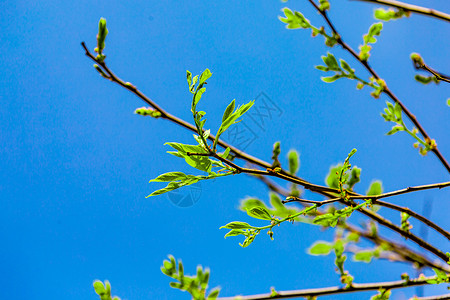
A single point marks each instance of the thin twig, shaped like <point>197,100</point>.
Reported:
<point>386,90</point>
<point>355,287</point>
<point>413,8</point>
<point>405,191</point>
<point>318,203</point>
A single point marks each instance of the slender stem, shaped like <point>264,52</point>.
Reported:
<point>413,8</point>
<point>386,90</point>
<point>355,287</point>
<point>405,191</point>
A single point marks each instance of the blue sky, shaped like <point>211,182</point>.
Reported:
<point>76,161</point>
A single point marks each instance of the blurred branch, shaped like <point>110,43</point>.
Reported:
<point>412,8</point>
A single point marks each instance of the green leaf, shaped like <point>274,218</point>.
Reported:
<point>248,241</point>
<point>189,78</point>
<point>173,185</point>
<point>225,153</point>
<point>331,62</point>
<point>374,30</point>
<point>346,66</point>
<point>331,79</point>
<point>99,287</point>
<point>197,97</point>
<point>235,232</point>
<point>398,111</point>
<point>228,111</point>
<point>375,188</point>
<point>294,161</point>
<point>232,118</point>
<point>171,176</point>
<point>326,220</point>
<point>237,225</point>
<point>395,129</point>
<point>320,248</point>
<point>355,177</point>
<point>204,76</point>
<point>322,68</point>
<point>332,179</point>
<point>102,33</point>
<point>423,79</point>
<point>202,163</point>
<point>259,212</point>
<point>213,294</point>
<point>365,256</point>
<point>194,81</point>
<point>275,152</point>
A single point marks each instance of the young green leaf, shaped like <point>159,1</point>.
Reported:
<point>365,256</point>
<point>320,248</point>
<point>235,232</point>
<point>171,176</point>
<point>294,162</point>
<point>237,225</point>
<point>259,212</point>
<point>375,188</point>
<point>204,76</point>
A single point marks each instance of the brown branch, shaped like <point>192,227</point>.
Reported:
<point>386,90</point>
<point>413,8</point>
<point>334,290</point>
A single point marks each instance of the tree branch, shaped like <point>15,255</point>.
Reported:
<point>334,290</point>
<point>386,90</point>
<point>412,8</point>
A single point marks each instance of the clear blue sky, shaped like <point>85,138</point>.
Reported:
<point>75,161</point>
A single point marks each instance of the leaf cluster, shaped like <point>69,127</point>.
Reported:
<point>196,285</point>
<point>390,14</point>
<point>104,290</point>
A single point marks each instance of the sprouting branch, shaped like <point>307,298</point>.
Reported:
<point>355,287</point>
<point>386,89</point>
<point>413,8</point>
